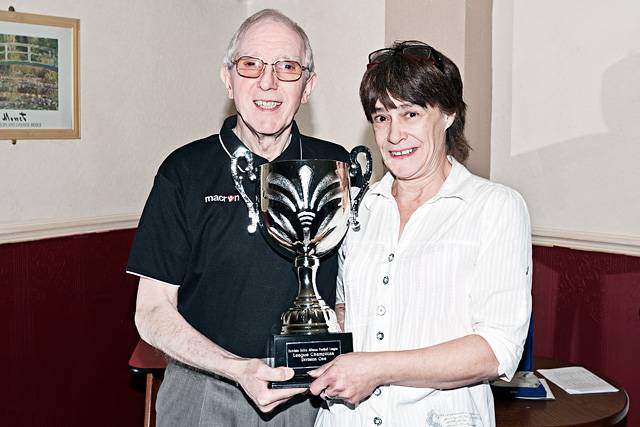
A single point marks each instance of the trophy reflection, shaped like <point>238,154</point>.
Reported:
<point>304,208</point>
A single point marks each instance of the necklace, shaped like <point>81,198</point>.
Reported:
<point>224,147</point>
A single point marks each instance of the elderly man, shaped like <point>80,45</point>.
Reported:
<point>210,294</point>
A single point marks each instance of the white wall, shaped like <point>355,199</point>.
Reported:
<point>566,118</point>
<point>149,83</point>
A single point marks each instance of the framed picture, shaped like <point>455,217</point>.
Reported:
<point>39,73</point>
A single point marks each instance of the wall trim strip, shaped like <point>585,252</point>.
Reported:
<point>586,241</point>
<point>542,236</point>
<point>44,230</point>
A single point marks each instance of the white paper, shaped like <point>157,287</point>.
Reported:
<point>577,380</point>
<point>549,395</point>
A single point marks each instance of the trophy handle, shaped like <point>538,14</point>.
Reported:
<point>237,173</point>
<point>355,171</point>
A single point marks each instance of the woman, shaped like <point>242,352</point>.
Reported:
<point>436,285</point>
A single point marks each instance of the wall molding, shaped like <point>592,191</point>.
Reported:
<point>586,241</point>
<point>542,236</point>
<point>24,232</point>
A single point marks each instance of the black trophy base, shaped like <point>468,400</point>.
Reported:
<point>304,353</point>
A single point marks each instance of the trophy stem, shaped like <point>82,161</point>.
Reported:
<point>306,269</point>
<point>309,314</point>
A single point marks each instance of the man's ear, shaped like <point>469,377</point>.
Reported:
<point>225,76</point>
<point>308,87</point>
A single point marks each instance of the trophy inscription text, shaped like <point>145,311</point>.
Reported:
<point>311,355</point>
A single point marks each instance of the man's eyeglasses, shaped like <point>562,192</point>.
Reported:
<point>285,70</point>
<point>415,50</point>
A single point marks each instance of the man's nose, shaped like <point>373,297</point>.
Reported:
<point>268,79</point>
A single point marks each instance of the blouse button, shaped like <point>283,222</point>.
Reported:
<point>381,310</point>
<point>391,257</point>
<point>380,336</point>
<point>385,280</point>
<point>377,421</point>
<point>377,391</point>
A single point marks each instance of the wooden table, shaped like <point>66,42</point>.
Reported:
<point>568,410</point>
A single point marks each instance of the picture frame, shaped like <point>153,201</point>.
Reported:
<point>39,77</point>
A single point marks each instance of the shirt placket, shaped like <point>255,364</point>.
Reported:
<point>381,308</point>
<point>381,338</point>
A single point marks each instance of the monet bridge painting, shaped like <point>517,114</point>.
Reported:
<point>39,77</point>
<point>28,73</point>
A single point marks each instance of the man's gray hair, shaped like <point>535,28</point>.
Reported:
<point>268,15</point>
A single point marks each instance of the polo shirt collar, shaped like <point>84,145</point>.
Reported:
<point>456,185</point>
<point>231,142</point>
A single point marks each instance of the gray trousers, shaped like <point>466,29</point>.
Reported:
<point>188,398</point>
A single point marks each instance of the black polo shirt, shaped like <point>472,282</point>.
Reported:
<point>193,233</point>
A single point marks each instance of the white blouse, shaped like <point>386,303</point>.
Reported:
<point>462,266</point>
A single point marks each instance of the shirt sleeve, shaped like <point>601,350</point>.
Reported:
<point>501,292</point>
<point>161,246</point>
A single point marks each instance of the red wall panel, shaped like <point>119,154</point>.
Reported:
<point>67,320</point>
<point>586,308</point>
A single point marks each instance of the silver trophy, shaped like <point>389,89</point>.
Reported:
<point>304,208</point>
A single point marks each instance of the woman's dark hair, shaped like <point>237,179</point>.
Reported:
<point>428,80</point>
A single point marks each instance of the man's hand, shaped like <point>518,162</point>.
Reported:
<point>254,377</point>
<point>350,377</point>
<point>160,324</point>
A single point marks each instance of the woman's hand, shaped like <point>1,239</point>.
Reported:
<point>350,377</point>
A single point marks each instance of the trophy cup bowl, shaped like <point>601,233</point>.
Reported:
<point>304,209</point>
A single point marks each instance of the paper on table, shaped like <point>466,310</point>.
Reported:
<point>577,380</point>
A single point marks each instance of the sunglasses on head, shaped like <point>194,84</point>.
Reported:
<point>413,49</point>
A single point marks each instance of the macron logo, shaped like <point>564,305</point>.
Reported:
<point>221,198</point>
